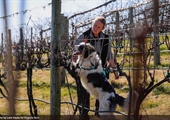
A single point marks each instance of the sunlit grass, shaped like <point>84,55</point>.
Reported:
<point>161,90</point>
<point>155,103</point>
<point>41,90</point>
<point>151,104</point>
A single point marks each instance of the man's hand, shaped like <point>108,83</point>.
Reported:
<point>112,65</point>
<point>116,75</point>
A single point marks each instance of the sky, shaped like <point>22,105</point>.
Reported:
<point>22,13</point>
<point>31,12</point>
<point>40,8</point>
<point>37,9</point>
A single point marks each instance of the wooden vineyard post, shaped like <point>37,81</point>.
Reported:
<point>12,84</point>
<point>156,33</point>
<point>55,70</point>
<point>131,27</point>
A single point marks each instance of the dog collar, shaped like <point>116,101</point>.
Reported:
<point>93,67</point>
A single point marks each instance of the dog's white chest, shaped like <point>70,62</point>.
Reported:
<point>94,91</point>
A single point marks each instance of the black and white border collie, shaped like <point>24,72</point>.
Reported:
<point>89,69</point>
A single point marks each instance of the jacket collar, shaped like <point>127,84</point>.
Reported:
<point>101,34</point>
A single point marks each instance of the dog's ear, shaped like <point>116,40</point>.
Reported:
<point>88,50</point>
<point>81,48</point>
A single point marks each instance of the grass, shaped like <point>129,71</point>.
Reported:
<point>151,104</point>
<point>162,90</point>
<point>155,103</point>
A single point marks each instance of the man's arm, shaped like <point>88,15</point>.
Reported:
<point>79,40</point>
<point>112,65</point>
<point>111,61</point>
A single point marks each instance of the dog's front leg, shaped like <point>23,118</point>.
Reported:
<point>104,106</point>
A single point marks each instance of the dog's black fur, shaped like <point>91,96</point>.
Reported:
<point>88,68</point>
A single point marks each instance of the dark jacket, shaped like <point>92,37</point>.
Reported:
<point>104,43</point>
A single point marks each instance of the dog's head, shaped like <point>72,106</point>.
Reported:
<point>84,50</point>
<point>88,60</point>
<point>87,56</point>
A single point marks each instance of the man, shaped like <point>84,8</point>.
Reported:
<point>100,41</point>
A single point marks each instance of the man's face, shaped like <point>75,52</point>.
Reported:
<point>97,27</point>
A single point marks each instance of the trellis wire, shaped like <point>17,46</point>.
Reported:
<point>118,30</point>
